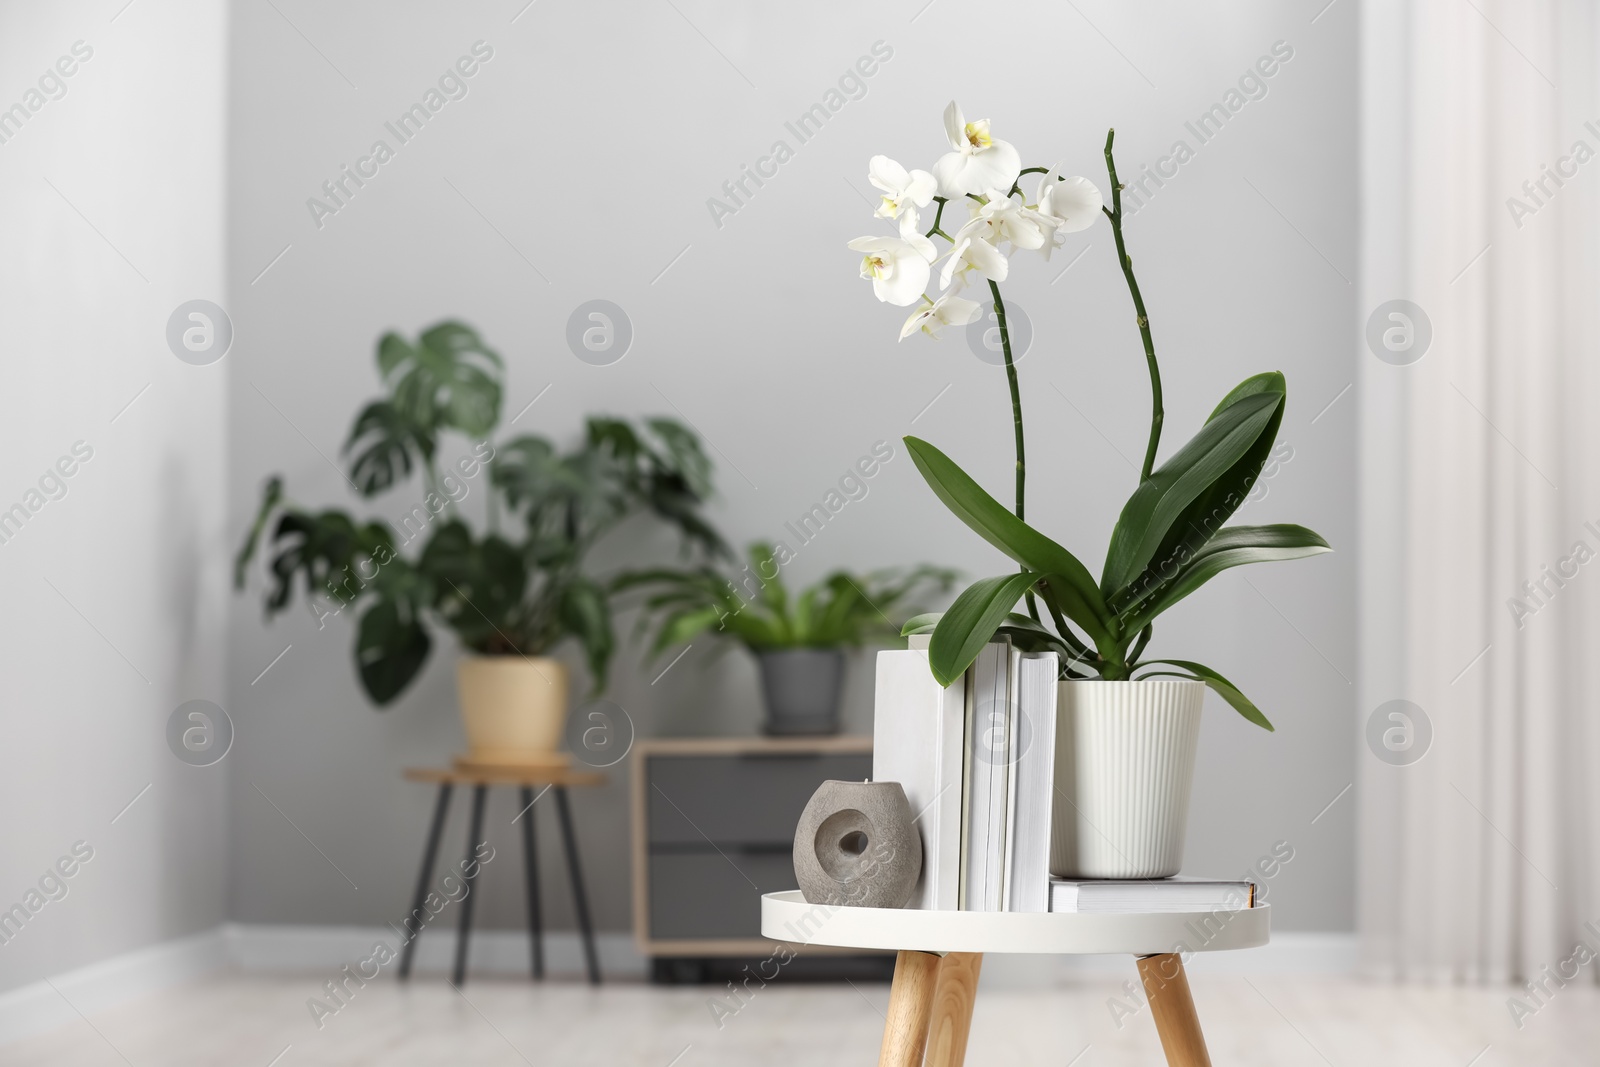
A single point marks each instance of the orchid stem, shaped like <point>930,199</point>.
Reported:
<point>1016,186</point>
<point>1016,416</point>
<point>1157,414</point>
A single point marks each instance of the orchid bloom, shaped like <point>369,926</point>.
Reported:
<point>1001,218</point>
<point>903,191</point>
<point>948,310</point>
<point>978,161</point>
<point>973,253</point>
<point>981,205</point>
<point>898,266</point>
<point>1067,206</point>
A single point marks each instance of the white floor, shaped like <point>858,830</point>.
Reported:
<point>250,1020</point>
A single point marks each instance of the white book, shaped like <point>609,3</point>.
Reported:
<point>918,728</point>
<point>1033,766</point>
<point>1178,894</point>
<point>1012,724</point>
<point>986,780</point>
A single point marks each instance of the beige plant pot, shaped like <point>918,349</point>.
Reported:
<point>514,708</point>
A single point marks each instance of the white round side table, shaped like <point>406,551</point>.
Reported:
<point>940,954</point>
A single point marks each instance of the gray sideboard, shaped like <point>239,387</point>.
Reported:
<point>713,829</point>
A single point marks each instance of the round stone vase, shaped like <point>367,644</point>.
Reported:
<point>1125,756</point>
<point>857,845</point>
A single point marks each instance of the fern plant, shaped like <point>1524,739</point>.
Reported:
<point>843,610</point>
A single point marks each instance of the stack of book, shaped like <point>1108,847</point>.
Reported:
<point>977,760</point>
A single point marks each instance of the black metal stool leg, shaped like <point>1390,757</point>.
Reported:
<point>580,901</point>
<point>479,792</point>
<point>430,852</point>
<point>530,854</point>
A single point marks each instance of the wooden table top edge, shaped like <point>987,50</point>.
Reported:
<point>510,775</point>
<point>754,744</point>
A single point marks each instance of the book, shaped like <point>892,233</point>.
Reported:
<point>918,732</point>
<point>1150,894</point>
<point>1032,786</point>
<point>1009,724</point>
<point>986,780</point>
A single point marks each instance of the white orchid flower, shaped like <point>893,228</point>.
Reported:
<point>903,191</point>
<point>1001,219</point>
<point>898,266</point>
<point>973,253</point>
<point>978,161</point>
<point>948,310</point>
<point>1067,206</point>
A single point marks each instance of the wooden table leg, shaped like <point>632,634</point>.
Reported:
<point>905,1030</point>
<point>952,1009</point>
<point>1167,988</point>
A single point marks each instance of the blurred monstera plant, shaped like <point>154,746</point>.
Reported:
<point>514,593</point>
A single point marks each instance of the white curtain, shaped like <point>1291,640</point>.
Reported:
<point>1480,469</point>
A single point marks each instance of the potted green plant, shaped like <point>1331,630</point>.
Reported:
<point>1130,733</point>
<point>511,592</point>
<point>798,641</point>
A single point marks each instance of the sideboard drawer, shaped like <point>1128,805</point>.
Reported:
<point>713,828</point>
<point>701,894</point>
<point>752,799</point>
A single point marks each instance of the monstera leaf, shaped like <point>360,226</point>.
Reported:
<point>448,379</point>
<point>391,647</point>
<point>478,587</point>
<point>329,551</point>
<point>387,443</point>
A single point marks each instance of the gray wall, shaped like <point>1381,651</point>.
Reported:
<point>115,591</point>
<point>579,166</point>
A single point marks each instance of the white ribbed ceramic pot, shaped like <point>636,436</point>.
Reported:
<point>1124,764</point>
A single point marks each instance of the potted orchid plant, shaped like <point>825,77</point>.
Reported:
<point>1126,719</point>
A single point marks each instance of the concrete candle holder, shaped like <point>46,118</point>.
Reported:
<point>857,845</point>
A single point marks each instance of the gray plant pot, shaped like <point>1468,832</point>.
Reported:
<point>802,688</point>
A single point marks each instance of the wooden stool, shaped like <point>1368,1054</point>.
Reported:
<point>556,778</point>
<point>941,952</point>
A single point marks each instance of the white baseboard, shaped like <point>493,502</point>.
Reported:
<point>253,948</point>
<point>1303,952</point>
<point>36,1007</point>
<point>262,948</point>
<point>1291,953</point>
